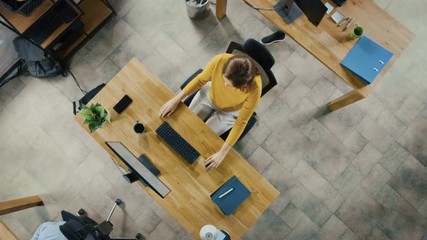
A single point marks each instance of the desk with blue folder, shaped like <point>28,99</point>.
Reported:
<point>330,45</point>
<point>231,197</point>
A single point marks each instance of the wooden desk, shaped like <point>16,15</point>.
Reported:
<point>329,44</point>
<point>191,185</point>
<point>6,233</point>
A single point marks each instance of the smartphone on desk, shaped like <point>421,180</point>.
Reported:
<point>122,104</point>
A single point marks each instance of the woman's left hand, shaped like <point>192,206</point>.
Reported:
<point>215,160</point>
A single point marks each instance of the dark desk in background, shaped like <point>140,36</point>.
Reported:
<point>92,13</point>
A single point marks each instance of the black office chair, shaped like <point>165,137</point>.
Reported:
<point>82,227</point>
<point>265,62</point>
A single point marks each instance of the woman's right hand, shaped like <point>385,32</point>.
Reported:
<point>169,107</point>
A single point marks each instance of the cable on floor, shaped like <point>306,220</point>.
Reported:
<point>66,69</point>
<point>257,8</point>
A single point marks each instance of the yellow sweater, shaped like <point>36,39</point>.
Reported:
<point>227,98</point>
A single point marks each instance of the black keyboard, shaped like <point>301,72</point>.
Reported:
<point>178,143</point>
<point>44,27</point>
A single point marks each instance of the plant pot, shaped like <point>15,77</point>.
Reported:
<point>95,116</point>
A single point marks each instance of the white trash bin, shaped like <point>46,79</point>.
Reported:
<point>197,9</point>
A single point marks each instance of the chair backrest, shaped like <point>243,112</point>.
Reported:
<point>262,57</point>
<point>87,97</point>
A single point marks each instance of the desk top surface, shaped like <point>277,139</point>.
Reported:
<point>191,185</point>
<point>329,44</point>
<point>21,22</point>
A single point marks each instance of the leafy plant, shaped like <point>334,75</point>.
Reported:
<point>95,116</point>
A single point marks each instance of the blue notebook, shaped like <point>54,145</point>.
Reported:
<point>366,59</point>
<point>230,195</point>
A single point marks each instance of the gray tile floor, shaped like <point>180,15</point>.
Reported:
<point>357,173</point>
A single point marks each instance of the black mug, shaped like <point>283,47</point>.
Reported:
<point>139,127</point>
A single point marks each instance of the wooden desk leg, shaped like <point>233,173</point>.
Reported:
<point>19,204</point>
<point>6,233</point>
<point>221,8</point>
<point>345,100</point>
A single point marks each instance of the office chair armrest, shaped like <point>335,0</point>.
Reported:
<point>188,100</point>
<point>271,82</point>
<point>234,46</point>
<point>190,78</point>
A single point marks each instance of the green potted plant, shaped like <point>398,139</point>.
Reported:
<point>95,116</point>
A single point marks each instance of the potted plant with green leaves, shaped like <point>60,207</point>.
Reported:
<point>95,116</point>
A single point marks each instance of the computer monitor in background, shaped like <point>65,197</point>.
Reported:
<point>313,9</point>
<point>290,10</point>
<point>339,3</point>
<point>138,168</point>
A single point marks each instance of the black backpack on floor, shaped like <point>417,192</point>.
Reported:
<point>39,63</point>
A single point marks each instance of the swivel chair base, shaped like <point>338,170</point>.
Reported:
<point>99,231</point>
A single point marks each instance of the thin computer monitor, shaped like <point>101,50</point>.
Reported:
<point>138,168</point>
<point>313,9</point>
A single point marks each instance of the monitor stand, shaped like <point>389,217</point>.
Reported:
<point>131,177</point>
<point>288,10</point>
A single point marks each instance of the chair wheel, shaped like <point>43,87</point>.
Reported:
<point>82,212</point>
<point>118,201</point>
<point>139,236</point>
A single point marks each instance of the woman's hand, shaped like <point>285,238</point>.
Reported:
<point>170,106</point>
<point>215,160</point>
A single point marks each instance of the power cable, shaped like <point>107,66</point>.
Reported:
<point>257,8</point>
<point>75,80</point>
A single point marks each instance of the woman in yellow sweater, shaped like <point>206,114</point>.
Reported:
<point>230,89</point>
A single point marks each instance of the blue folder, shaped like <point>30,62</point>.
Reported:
<point>230,195</point>
<point>366,59</point>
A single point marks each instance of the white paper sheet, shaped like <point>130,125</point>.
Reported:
<point>337,17</point>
